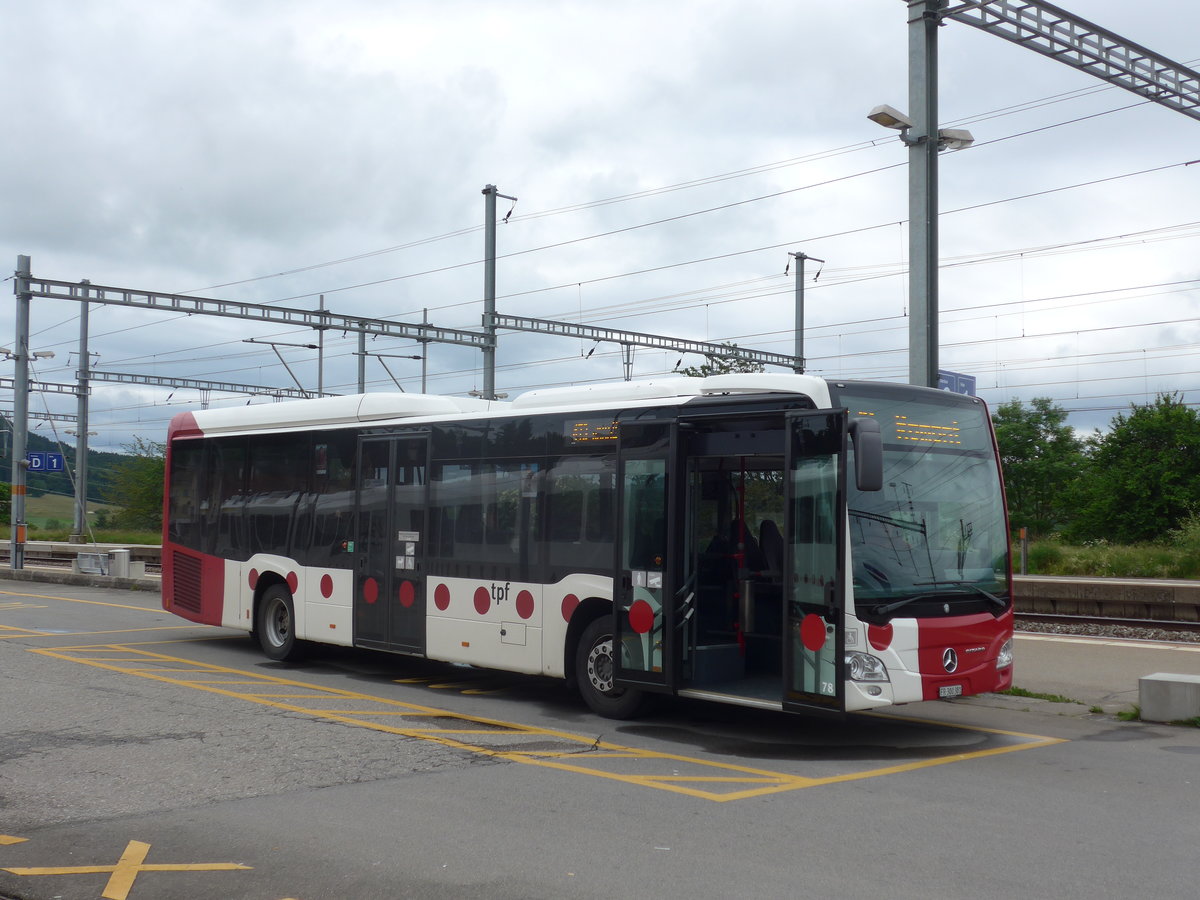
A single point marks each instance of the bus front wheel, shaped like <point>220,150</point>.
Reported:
<point>594,670</point>
<point>277,624</point>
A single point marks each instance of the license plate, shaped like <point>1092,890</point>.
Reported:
<point>950,690</point>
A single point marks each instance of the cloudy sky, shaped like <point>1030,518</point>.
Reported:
<point>667,157</point>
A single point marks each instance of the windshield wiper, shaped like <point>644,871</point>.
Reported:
<point>892,607</point>
<point>999,601</point>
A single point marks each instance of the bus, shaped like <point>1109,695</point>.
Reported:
<point>776,541</point>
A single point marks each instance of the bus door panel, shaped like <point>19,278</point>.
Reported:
<point>389,597</point>
<point>644,614</point>
<point>814,562</point>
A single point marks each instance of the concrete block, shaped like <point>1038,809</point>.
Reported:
<point>1165,697</point>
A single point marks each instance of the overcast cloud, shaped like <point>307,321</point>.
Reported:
<point>199,146</point>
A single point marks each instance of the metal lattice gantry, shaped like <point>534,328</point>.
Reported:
<point>1061,35</point>
<point>638,339</point>
<point>233,309</point>
<point>227,387</point>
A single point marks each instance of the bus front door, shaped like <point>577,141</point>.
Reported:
<point>814,566</point>
<point>389,596</point>
<point>644,613</point>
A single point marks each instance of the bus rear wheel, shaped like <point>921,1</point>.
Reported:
<point>276,626</point>
<point>594,670</point>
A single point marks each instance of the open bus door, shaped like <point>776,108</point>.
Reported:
<point>645,609</point>
<point>389,578</point>
<point>814,567</point>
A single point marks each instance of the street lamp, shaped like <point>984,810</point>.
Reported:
<point>37,354</point>
<point>947,138</point>
<point>924,141</point>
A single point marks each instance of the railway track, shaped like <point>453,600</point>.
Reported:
<point>1108,626</point>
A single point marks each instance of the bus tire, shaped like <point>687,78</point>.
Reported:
<point>276,626</point>
<point>594,674</point>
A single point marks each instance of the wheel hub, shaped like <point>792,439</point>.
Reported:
<point>600,666</point>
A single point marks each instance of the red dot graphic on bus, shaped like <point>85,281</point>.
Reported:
<point>570,602</point>
<point>524,604</point>
<point>641,616</point>
<point>880,636</point>
<point>292,582</point>
<point>370,590</point>
<point>441,597</point>
<point>326,586</point>
<point>812,632</point>
<point>408,593</point>
<point>253,579</point>
<point>483,600</point>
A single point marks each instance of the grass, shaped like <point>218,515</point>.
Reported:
<point>101,536</point>
<point>51,517</point>
<point>1035,695</point>
<point>1175,555</point>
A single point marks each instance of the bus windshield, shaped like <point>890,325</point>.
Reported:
<point>936,533</point>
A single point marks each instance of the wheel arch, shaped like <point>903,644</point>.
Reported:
<point>588,611</point>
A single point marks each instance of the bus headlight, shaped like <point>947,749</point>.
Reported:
<point>865,667</point>
<point>1004,660</point>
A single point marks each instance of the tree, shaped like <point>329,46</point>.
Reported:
<point>137,486</point>
<point>722,364</point>
<point>1143,476</point>
<point>1042,458</point>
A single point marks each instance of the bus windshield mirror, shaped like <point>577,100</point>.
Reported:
<point>868,454</point>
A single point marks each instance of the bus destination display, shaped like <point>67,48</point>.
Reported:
<point>580,432</point>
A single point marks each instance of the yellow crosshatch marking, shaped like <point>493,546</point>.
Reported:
<point>18,605</point>
<point>7,840</point>
<point>131,864</point>
<point>562,751</point>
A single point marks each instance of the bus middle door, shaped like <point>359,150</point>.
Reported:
<point>389,597</point>
<point>644,604</point>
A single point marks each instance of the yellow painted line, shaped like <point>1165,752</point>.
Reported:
<point>4,606</point>
<point>58,634</point>
<point>78,600</point>
<point>126,870</point>
<point>700,778</point>
<point>7,840</point>
<point>16,632</point>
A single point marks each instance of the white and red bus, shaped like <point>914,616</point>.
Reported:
<point>779,541</point>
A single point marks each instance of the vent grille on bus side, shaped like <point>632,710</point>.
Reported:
<point>187,582</point>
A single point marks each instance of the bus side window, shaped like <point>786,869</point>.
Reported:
<point>580,511</point>
<point>329,520</point>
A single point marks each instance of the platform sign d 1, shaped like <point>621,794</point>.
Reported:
<point>45,462</point>
<point>956,382</point>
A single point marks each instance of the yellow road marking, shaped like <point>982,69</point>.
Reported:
<point>78,600</point>
<point>19,605</point>
<point>7,840</point>
<point>131,864</point>
<point>16,632</point>
<point>578,754</point>
<point>52,634</point>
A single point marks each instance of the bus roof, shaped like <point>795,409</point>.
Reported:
<point>379,408</point>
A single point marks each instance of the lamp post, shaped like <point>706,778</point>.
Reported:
<point>20,422</point>
<point>922,228</point>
